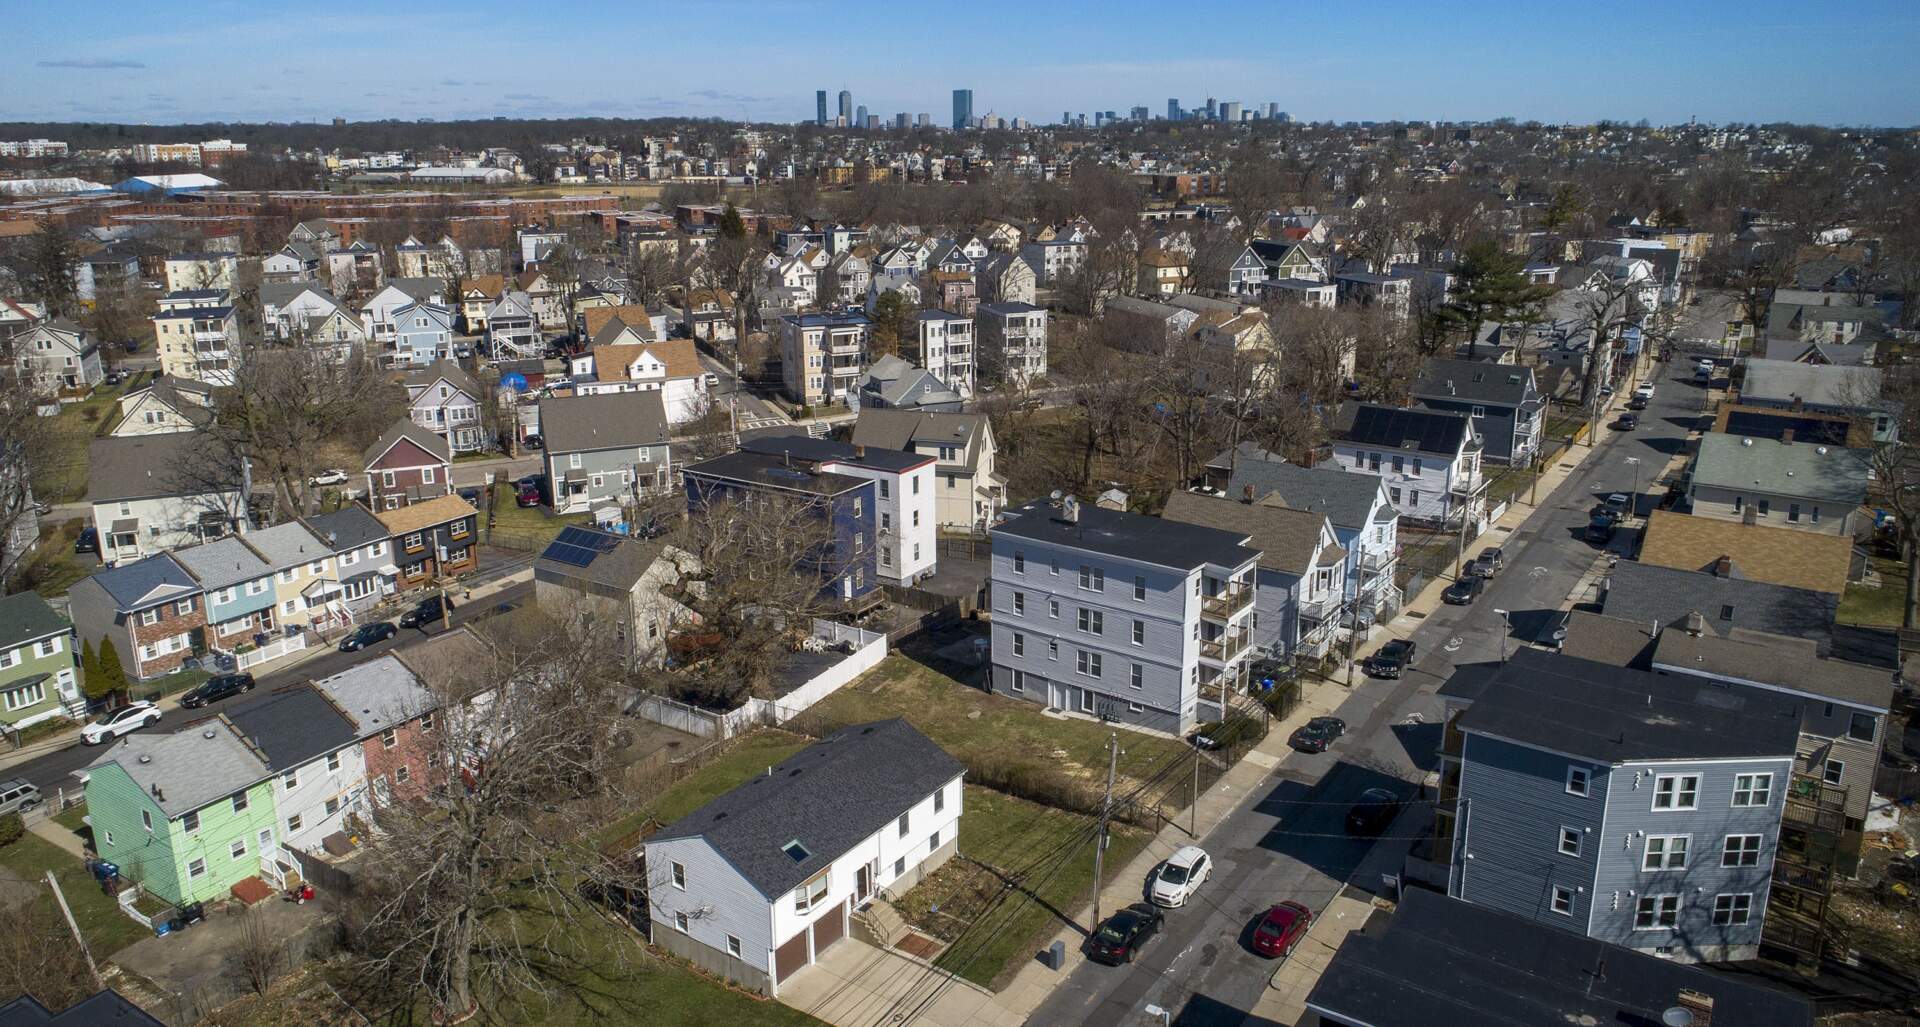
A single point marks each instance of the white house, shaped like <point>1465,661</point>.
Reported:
<point>59,355</point>
<point>671,366</point>
<point>757,884</point>
<point>904,496</point>
<point>1429,459</point>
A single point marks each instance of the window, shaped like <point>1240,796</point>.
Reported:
<point>1019,563</point>
<point>237,849</point>
<point>1665,852</point>
<point>1399,464</point>
<point>1732,910</point>
<point>939,800</point>
<point>389,738</point>
<point>402,773</point>
<point>146,821</point>
<point>1053,608</point>
<point>1137,677</point>
<point>1053,566</point>
<point>1656,912</point>
<point>1861,727</point>
<point>1676,791</point>
<point>905,823</point>
<point>1752,789</point>
<point>886,490</point>
<point>1092,621</point>
<point>1020,602</point>
<point>1053,649</point>
<point>1019,683</point>
<point>1563,901</point>
<point>413,541</point>
<point>1835,772</point>
<point>679,875</point>
<point>859,506</point>
<point>933,842</point>
<point>386,479</point>
<point>1726,613</point>
<point>1139,588</point>
<point>1393,493</point>
<point>1093,578</point>
<point>333,763</point>
<point>1019,644</point>
<point>197,868</point>
<point>239,801</point>
<point>1569,841</point>
<point>1762,504</point>
<point>291,779</point>
<point>1793,511</point>
<point>426,719</point>
<point>1741,850</point>
<point>1087,663</point>
<point>809,894</point>
<point>1139,632</point>
<point>1577,780</point>
<point>333,805</point>
<point>150,617</point>
<point>183,607</point>
<point>293,823</point>
<point>680,922</point>
<point>733,946</point>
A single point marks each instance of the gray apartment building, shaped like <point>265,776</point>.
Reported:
<point>1136,620</point>
<point>609,448</point>
<point>1641,809</point>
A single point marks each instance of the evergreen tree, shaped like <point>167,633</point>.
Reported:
<point>113,677</point>
<point>732,225</point>
<point>89,671</point>
<point>1490,284</point>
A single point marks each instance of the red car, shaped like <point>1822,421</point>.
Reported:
<point>1281,929</point>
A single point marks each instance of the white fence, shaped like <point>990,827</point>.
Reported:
<point>272,650</point>
<point>863,651</point>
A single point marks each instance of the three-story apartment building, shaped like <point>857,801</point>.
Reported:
<point>945,347</point>
<point>1300,597</point>
<point>905,535</point>
<point>1012,342</point>
<point>1428,459</point>
<point>1130,618</point>
<point>608,448</point>
<point>823,355</point>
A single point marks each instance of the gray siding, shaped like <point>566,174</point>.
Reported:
<point>608,463</point>
<point>733,907</point>
<point>1516,802</point>
<point>1276,604</point>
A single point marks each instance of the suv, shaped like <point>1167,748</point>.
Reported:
<point>18,795</point>
<point>215,689</point>
<point>1601,528</point>
<point>131,717</point>
<point>1491,561</point>
<point>1393,658</point>
<point>427,612</point>
<point>1464,591</point>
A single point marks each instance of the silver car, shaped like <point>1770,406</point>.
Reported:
<point>18,795</point>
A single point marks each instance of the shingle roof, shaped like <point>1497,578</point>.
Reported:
<point>431,441</point>
<point>1472,381</point>
<point>1788,663</point>
<point>1426,431</point>
<point>1643,591</point>
<point>191,768</point>
<point>1778,556</point>
<point>447,369</point>
<point>1616,714</point>
<point>349,527</point>
<point>132,583</point>
<point>415,516</point>
<point>1782,382</point>
<point>377,694</point>
<point>621,563</point>
<point>103,1008</point>
<point>610,363</point>
<point>288,544</point>
<point>1603,639</point>
<point>1440,962</point>
<point>1288,540</point>
<point>806,447</point>
<point>609,421</point>
<point>1347,499</point>
<point>829,797</point>
<point>1788,469</point>
<point>1129,536</point>
<point>900,429</point>
<point>292,726</point>
<point>144,466</point>
<point>222,562</point>
<point>24,616</point>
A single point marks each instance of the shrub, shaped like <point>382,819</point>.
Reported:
<point>11,828</point>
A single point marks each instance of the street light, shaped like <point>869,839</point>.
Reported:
<point>1634,499</point>
<point>1505,631</point>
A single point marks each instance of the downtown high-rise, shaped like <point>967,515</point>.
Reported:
<point>846,107</point>
<point>962,109</point>
<point>820,107</point>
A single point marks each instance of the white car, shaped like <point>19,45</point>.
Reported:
<point>129,718</point>
<point>1644,390</point>
<point>1180,876</point>
<point>331,476</point>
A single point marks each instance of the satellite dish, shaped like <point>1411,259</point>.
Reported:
<point>1055,495</point>
<point>1677,1017</point>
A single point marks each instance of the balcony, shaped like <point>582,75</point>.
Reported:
<point>209,336</point>
<point>1319,610</point>
<point>846,344</point>
<point>1224,605</point>
<point>1224,648</point>
<point>1466,487</point>
<point>1375,562</point>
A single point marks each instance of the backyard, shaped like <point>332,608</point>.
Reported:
<point>733,763</point>
<point>1880,604</point>
<point>64,478</point>
<point>530,527</point>
<point>24,865</point>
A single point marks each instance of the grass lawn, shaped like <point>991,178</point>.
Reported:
<point>52,567</point>
<point>1880,606</point>
<point>994,735</point>
<point>534,525</point>
<point>1010,835</point>
<point>106,928</point>
<point>748,755</point>
<point>65,478</point>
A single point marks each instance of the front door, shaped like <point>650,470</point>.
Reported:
<point>863,883</point>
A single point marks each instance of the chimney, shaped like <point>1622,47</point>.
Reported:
<point>1246,493</point>
<point>1786,437</point>
<point>1696,623</point>
<point>1750,514</point>
<point>1698,1005</point>
<point>1723,567</point>
<point>859,452</point>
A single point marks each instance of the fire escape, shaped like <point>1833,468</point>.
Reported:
<point>1813,836</point>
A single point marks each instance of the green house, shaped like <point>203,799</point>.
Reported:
<point>188,815</point>
<point>39,677</point>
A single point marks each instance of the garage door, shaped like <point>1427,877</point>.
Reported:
<point>829,929</point>
<point>790,956</point>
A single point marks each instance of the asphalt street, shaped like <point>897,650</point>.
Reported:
<point>1287,840</point>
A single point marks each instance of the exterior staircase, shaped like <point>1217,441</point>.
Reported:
<point>879,924</point>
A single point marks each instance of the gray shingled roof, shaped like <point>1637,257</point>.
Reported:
<point>24,616</point>
<point>292,726</point>
<point>145,466</point>
<point>1472,381</point>
<point>222,562</point>
<point>190,768</point>
<point>618,420</point>
<point>132,583</point>
<point>1782,382</point>
<point>349,527</point>
<point>619,568</point>
<point>288,544</point>
<point>1129,536</point>
<point>1288,539</point>
<point>900,429</point>
<point>1790,664</point>
<point>1638,591</point>
<point>829,797</point>
<point>1347,499</point>
<point>378,694</point>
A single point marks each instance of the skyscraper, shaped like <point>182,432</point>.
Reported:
<point>1173,108</point>
<point>1213,109</point>
<point>922,120</point>
<point>860,116</point>
<point>846,107</point>
<point>1141,114</point>
<point>1230,112</point>
<point>1273,108</point>
<point>962,109</point>
<point>900,121</point>
<point>820,107</point>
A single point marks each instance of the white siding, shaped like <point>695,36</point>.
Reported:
<point>314,785</point>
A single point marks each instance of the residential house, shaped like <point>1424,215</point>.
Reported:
<point>445,400</point>
<point>1809,488</point>
<point>187,272</point>
<point>477,296</point>
<point>845,507</point>
<point>394,709</point>
<point>615,585</point>
<point>1163,272</point>
<point>1821,388</point>
<point>513,331</point>
<point>1429,459</point>
<point>1005,278</point>
<point>1179,598</point>
<point>165,405</point>
<point>197,336</point>
<point>709,314</point>
<point>761,882</point>
<point>306,580</point>
<point>1506,406</point>
<point>905,531</point>
<point>1152,327</point>
<point>1306,292</point>
<point>294,262</point>
<point>894,383</point>
<point>1550,758</point>
<point>355,267</point>
<point>607,449</point>
<point>1054,259</point>
<point>1808,426</point>
<point>409,464</point>
<point>16,318</point>
<point>298,310</point>
<point>1756,552</point>
<point>1436,960</point>
<point>1365,520</point>
<point>1389,292</point>
<point>853,274</point>
<point>151,493</point>
<point>39,663</point>
<point>103,1006</point>
<point>885,282</point>
<point>1299,589</point>
<point>422,334</point>
<point>544,299</point>
<point>433,540</point>
<point>968,489</point>
<point>620,325</point>
<point>59,356</point>
<point>237,586</point>
<point>152,611</point>
<point>1722,602</point>
<point>311,750</point>
<point>1235,272</point>
<point>823,355</point>
<point>669,366</point>
<point>944,345</point>
<point>1011,343</point>
<point>415,259</point>
<point>377,313</point>
<point>1290,259</point>
<point>359,543</point>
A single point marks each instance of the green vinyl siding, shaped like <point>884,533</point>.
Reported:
<point>161,860</point>
<point>26,670</point>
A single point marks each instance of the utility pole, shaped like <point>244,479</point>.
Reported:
<point>1193,805</point>
<point>1533,496</point>
<point>1353,635</point>
<point>75,928</point>
<point>1506,623</point>
<point>1106,810</point>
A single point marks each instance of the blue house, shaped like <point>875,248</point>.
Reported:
<point>771,487</point>
<point>422,334</point>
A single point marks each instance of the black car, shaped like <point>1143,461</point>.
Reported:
<point>216,688</point>
<point>1118,939</point>
<point>1317,734</point>
<point>1464,590</point>
<point>532,442</point>
<point>88,542</point>
<point>1394,657</point>
<point>429,610</point>
<point>471,494</point>
<point>1374,811</point>
<point>366,635</point>
<point>1601,529</point>
<point>1626,422</point>
<point>1637,403</point>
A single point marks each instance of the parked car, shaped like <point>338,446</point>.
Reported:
<point>1373,812</point>
<point>330,476</point>
<point>366,635</point>
<point>1119,939</point>
<point>1281,928</point>
<point>129,718</point>
<point>532,442</point>
<point>1626,422</point>
<point>1317,734</point>
<point>529,495</point>
<point>1636,403</point>
<point>470,493</point>
<point>1703,371</point>
<point>712,380</point>
<point>1180,876</point>
<point>1464,590</point>
<point>1644,390</point>
<point>18,795</point>
<point>88,542</point>
<point>1601,529</point>
<point>1491,561</point>
<point>429,610</point>
<point>1392,659</point>
<point>216,688</point>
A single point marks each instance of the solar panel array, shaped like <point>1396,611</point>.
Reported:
<point>577,547</point>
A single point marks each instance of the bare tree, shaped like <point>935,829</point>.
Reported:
<point>38,956</point>
<point>1895,465</point>
<point>260,955</point>
<point>28,450</point>
<point>1605,309</point>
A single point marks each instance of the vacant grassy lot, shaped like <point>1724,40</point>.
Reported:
<point>742,758</point>
<point>106,928</point>
<point>1006,743</point>
<point>1022,866</point>
<point>529,527</point>
<point>1877,606</point>
<point>64,478</point>
<point>52,566</point>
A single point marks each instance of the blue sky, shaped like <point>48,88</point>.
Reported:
<point>1719,60</point>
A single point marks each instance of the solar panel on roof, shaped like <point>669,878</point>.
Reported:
<point>577,547</point>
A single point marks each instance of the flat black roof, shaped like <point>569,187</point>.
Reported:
<point>811,450</point>
<point>1129,536</point>
<point>774,472</point>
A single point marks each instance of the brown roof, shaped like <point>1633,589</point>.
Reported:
<point>1611,640</point>
<point>451,664</point>
<point>1777,556</point>
<point>492,285</point>
<point>1289,540</point>
<point>633,315</point>
<point>425,515</point>
<point>1157,257</point>
<point>610,363</point>
<point>718,297</point>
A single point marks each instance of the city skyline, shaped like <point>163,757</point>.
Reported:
<point>95,61</point>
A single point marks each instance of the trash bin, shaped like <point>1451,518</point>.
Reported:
<point>1056,955</point>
